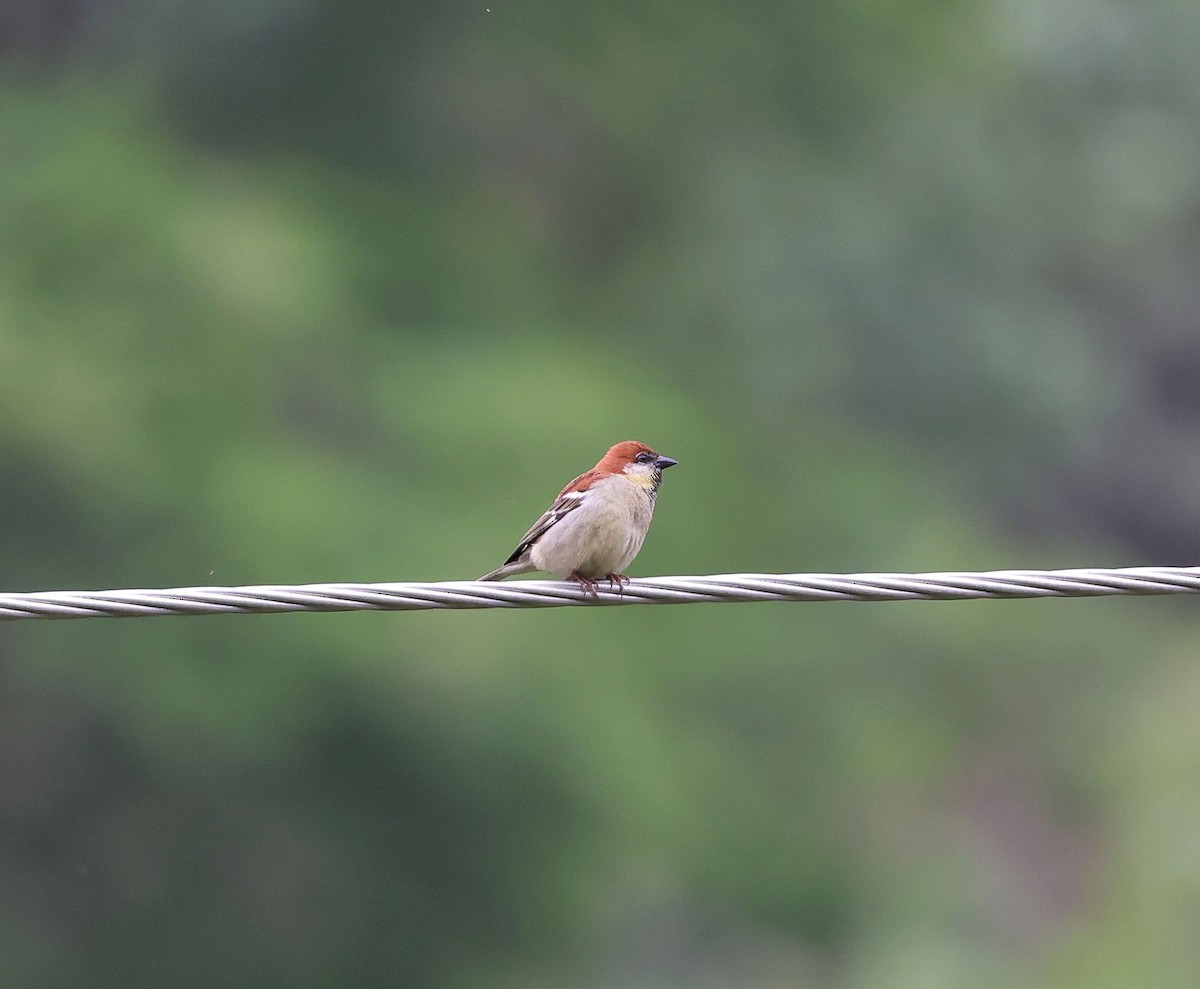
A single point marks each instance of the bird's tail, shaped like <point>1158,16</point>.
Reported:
<point>509,569</point>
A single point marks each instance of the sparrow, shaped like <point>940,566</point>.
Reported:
<point>597,523</point>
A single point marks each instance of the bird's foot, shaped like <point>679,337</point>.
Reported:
<point>617,582</point>
<point>588,585</point>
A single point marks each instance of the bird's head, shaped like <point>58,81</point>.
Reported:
<point>636,461</point>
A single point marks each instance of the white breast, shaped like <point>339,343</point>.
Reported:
<point>602,535</point>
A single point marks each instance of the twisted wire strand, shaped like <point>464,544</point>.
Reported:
<point>458,594</point>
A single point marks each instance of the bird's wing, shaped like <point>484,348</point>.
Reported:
<point>567,501</point>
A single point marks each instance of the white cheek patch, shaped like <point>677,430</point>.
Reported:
<point>641,474</point>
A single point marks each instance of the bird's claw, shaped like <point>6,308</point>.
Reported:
<point>589,586</point>
<point>617,582</point>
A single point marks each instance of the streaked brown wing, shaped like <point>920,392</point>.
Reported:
<point>567,501</point>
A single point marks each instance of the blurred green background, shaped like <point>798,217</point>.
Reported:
<point>316,290</point>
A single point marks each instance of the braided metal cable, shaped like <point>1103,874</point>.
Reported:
<point>272,598</point>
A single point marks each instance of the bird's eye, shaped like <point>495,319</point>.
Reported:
<point>644,458</point>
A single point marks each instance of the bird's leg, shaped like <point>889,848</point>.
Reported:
<point>589,586</point>
<point>617,581</point>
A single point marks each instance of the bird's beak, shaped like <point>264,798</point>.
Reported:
<point>662,463</point>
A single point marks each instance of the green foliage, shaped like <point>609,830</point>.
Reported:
<point>339,292</point>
